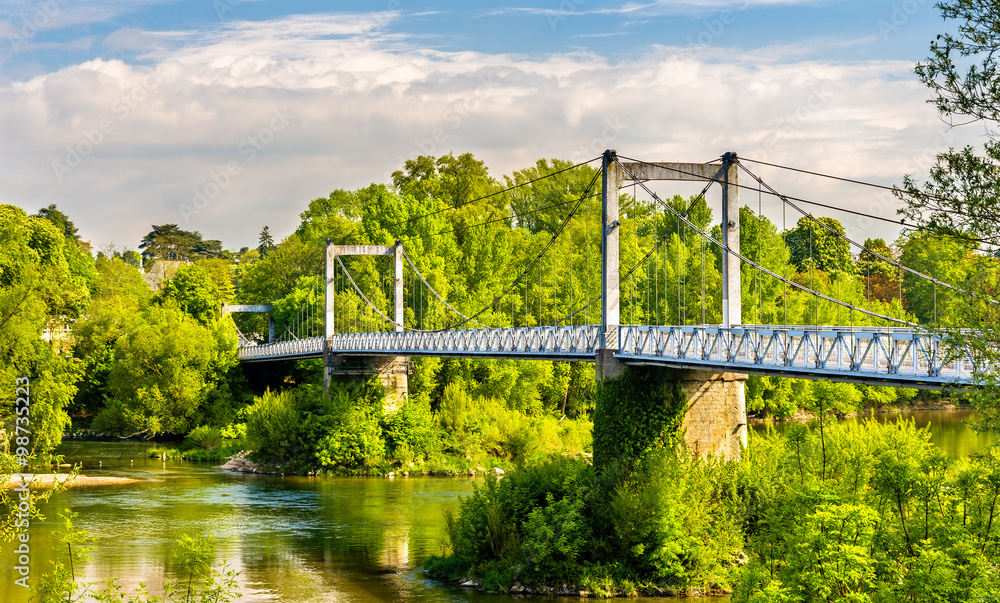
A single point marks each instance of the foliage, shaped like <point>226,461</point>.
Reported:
<point>192,291</point>
<point>889,518</point>
<point>196,579</point>
<point>169,242</point>
<point>814,244</point>
<point>881,515</point>
<point>205,437</point>
<point>639,411</point>
<point>959,201</point>
<point>169,372</point>
<point>39,289</point>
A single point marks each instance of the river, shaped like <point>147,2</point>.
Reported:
<point>293,539</point>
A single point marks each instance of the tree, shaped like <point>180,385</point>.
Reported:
<point>961,197</point>
<point>266,242</point>
<point>36,287</point>
<point>169,242</point>
<point>813,245</point>
<point>119,297</point>
<point>60,220</point>
<point>192,290</point>
<point>167,366</point>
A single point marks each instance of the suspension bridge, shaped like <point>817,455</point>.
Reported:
<point>668,306</point>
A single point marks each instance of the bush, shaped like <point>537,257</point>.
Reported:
<point>272,425</point>
<point>205,437</point>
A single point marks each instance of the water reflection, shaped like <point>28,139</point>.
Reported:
<point>949,429</point>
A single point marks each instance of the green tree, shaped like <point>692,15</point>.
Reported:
<point>961,196</point>
<point>169,242</point>
<point>61,221</point>
<point>169,371</point>
<point>118,299</point>
<point>192,290</point>
<point>813,245</point>
<point>266,242</point>
<point>37,288</point>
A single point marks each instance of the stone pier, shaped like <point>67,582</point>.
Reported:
<point>392,373</point>
<point>716,419</point>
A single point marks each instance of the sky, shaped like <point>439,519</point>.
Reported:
<point>223,116</point>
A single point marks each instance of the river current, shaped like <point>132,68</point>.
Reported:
<point>293,539</point>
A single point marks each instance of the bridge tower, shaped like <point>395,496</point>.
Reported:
<point>715,421</point>
<point>391,370</point>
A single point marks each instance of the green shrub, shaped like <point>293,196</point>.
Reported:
<point>272,425</point>
<point>555,537</point>
<point>205,437</point>
<point>411,434</point>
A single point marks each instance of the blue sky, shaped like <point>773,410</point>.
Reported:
<point>225,115</point>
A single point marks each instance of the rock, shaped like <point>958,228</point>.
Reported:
<point>406,474</point>
<point>498,471</point>
<point>470,583</point>
<point>238,465</point>
<point>391,474</point>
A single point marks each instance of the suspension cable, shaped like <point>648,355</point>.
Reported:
<point>747,260</point>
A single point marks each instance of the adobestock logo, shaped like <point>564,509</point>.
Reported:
<point>94,137</point>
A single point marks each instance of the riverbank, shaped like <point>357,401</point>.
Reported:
<point>804,416</point>
<point>241,464</point>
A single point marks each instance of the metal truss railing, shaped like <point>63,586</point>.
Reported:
<point>543,343</point>
<point>890,356</point>
<point>309,347</point>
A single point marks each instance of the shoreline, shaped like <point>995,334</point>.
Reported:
<point>804,416</point>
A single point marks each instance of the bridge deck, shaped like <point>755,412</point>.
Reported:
<point>881,356</point>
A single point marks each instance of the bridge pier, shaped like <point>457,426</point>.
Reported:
<point>392,373</point>
<point>715,422</point>
<point>715,415</point>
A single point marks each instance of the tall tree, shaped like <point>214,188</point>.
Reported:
<point>813,245</point>
<point>266,242</point>
<point>191,289</point>
<point>60,220</point>
<point>170,242</point>
<point>961,196</point>
<point>35,289</point>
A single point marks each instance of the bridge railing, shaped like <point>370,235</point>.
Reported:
<point>296,348</point>
<point>892,354</point>
<point>571,342</point>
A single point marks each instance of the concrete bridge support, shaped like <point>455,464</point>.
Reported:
<point>392,372</point>
<point>715,419</point>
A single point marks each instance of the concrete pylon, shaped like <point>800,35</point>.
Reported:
<point>391,370</point>
<point>715,420</point>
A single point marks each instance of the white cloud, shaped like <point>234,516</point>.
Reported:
<point>362,100</point>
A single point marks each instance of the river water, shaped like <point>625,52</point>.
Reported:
<point>293,539</point>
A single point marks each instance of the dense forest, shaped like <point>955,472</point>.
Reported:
<point>134,361</point>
